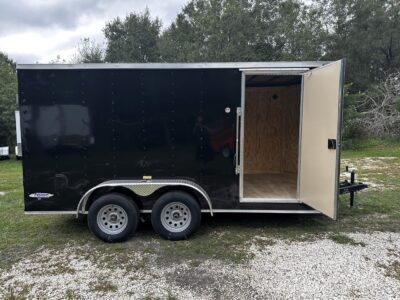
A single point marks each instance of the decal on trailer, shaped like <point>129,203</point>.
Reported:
<point>40,196</point>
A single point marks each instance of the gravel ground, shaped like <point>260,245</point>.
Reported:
<point>278,269</point>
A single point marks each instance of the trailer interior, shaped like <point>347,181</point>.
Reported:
<point>271,137</point>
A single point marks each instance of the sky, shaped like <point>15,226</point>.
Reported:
<point>41,30</point>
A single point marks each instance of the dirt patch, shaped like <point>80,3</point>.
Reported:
<point>213,280</point>
<point>393,270</point>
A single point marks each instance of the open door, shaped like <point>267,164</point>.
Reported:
<point>320,137</point>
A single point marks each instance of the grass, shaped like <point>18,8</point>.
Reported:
<point>13,294</point>
<point>393,270</point>
<point>345,240</point>
<point>104,286</point>
<point>373,148</point>
<point>72,295</point>
<point>224,237</point>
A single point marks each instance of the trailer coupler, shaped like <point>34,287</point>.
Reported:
<point>351,187</point>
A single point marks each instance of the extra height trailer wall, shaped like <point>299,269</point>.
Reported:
<point>175,140</point>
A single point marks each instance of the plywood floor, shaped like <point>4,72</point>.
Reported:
<point>270,186</point>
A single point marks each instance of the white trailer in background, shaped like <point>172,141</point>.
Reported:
<point>4,153</point>
<point>18,150</point>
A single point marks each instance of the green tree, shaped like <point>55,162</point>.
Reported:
<point>58,60</point>
<point>367,33</point>
<point>8,91</point>
<point>134,39</point>
<point>299,32</point>
<point>244,30</point>
<point>89,51</point>
<point>352,118</point>
<point>210,30</point>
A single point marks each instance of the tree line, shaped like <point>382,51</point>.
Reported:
<point>365,32</point>
<point>8,92</point>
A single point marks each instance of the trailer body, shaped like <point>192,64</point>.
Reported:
<point>145,129</point>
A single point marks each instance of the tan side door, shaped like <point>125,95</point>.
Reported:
<point>320,137</point>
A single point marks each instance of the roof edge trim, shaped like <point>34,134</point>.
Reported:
<point>225,65</point>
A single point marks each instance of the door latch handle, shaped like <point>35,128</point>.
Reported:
<point>332,144</point>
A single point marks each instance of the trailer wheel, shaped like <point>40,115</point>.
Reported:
<point>112,217</point>
<point>176,215</point>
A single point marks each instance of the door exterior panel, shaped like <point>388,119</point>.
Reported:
<point>322,97</point>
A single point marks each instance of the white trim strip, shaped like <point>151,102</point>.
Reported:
<point>241,150</point>
<point>269,200</point>
<point>266,211</point>
<point>275,71</point>
<point>47,212</point>
<point>147,211</point>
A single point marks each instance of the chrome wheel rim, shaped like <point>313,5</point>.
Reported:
<point>176,217</point>
<point>112,219</point>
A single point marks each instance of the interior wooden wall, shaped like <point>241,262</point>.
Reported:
<point>271,129</point>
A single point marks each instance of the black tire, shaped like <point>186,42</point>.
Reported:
<point>126,211</point>
<point>186,205</point>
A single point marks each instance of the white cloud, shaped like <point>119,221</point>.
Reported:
<point>39,31</point>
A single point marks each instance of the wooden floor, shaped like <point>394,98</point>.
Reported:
<point>270,186</point>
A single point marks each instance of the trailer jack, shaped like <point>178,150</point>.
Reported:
<point>351,187</point>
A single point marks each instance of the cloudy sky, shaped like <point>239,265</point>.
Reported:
<point>40,30</point>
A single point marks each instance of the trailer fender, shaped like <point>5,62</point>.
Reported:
<point>143,188</point>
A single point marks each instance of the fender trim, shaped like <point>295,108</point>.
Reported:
<point>143,188</point>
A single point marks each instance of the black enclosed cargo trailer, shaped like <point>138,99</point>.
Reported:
<point>175,140</point>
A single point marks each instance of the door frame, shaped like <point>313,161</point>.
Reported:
<point>271,71</point>
<point>339,132</point>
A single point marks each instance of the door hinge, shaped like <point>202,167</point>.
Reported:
<point>237,170</point>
